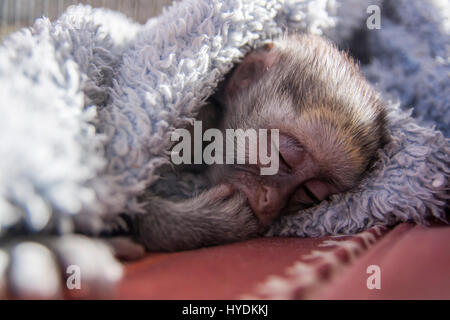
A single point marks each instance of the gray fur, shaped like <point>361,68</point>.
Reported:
<point>208,219</point>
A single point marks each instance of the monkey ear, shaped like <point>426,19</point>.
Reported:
<point>251,69</point>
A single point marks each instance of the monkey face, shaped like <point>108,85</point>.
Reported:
<point>298,184</point>
<point>330,122</point>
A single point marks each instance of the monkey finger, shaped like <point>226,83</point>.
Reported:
<point>125,248</point>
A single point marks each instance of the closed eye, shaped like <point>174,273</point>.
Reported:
<point>311,195</point>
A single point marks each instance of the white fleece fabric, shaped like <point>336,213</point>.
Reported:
<point>88,104</point>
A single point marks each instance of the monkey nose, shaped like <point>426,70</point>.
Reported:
<point>266,202</point>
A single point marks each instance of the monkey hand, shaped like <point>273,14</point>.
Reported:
<point>54,267</point>
<point>217,216</point>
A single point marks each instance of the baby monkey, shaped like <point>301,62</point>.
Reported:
<point>331,123</point>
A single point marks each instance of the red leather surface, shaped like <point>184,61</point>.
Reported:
<point>414,263</point>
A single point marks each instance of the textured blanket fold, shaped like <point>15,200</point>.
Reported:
<point>89,103</point>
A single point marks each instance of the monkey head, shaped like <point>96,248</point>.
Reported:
<point>330,123</point>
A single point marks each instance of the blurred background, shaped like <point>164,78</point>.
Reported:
<point>15,14</point>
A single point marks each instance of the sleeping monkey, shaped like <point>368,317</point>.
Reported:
<point>330,121</point>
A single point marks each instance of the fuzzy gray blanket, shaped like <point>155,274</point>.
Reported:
<point>88,104</point>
